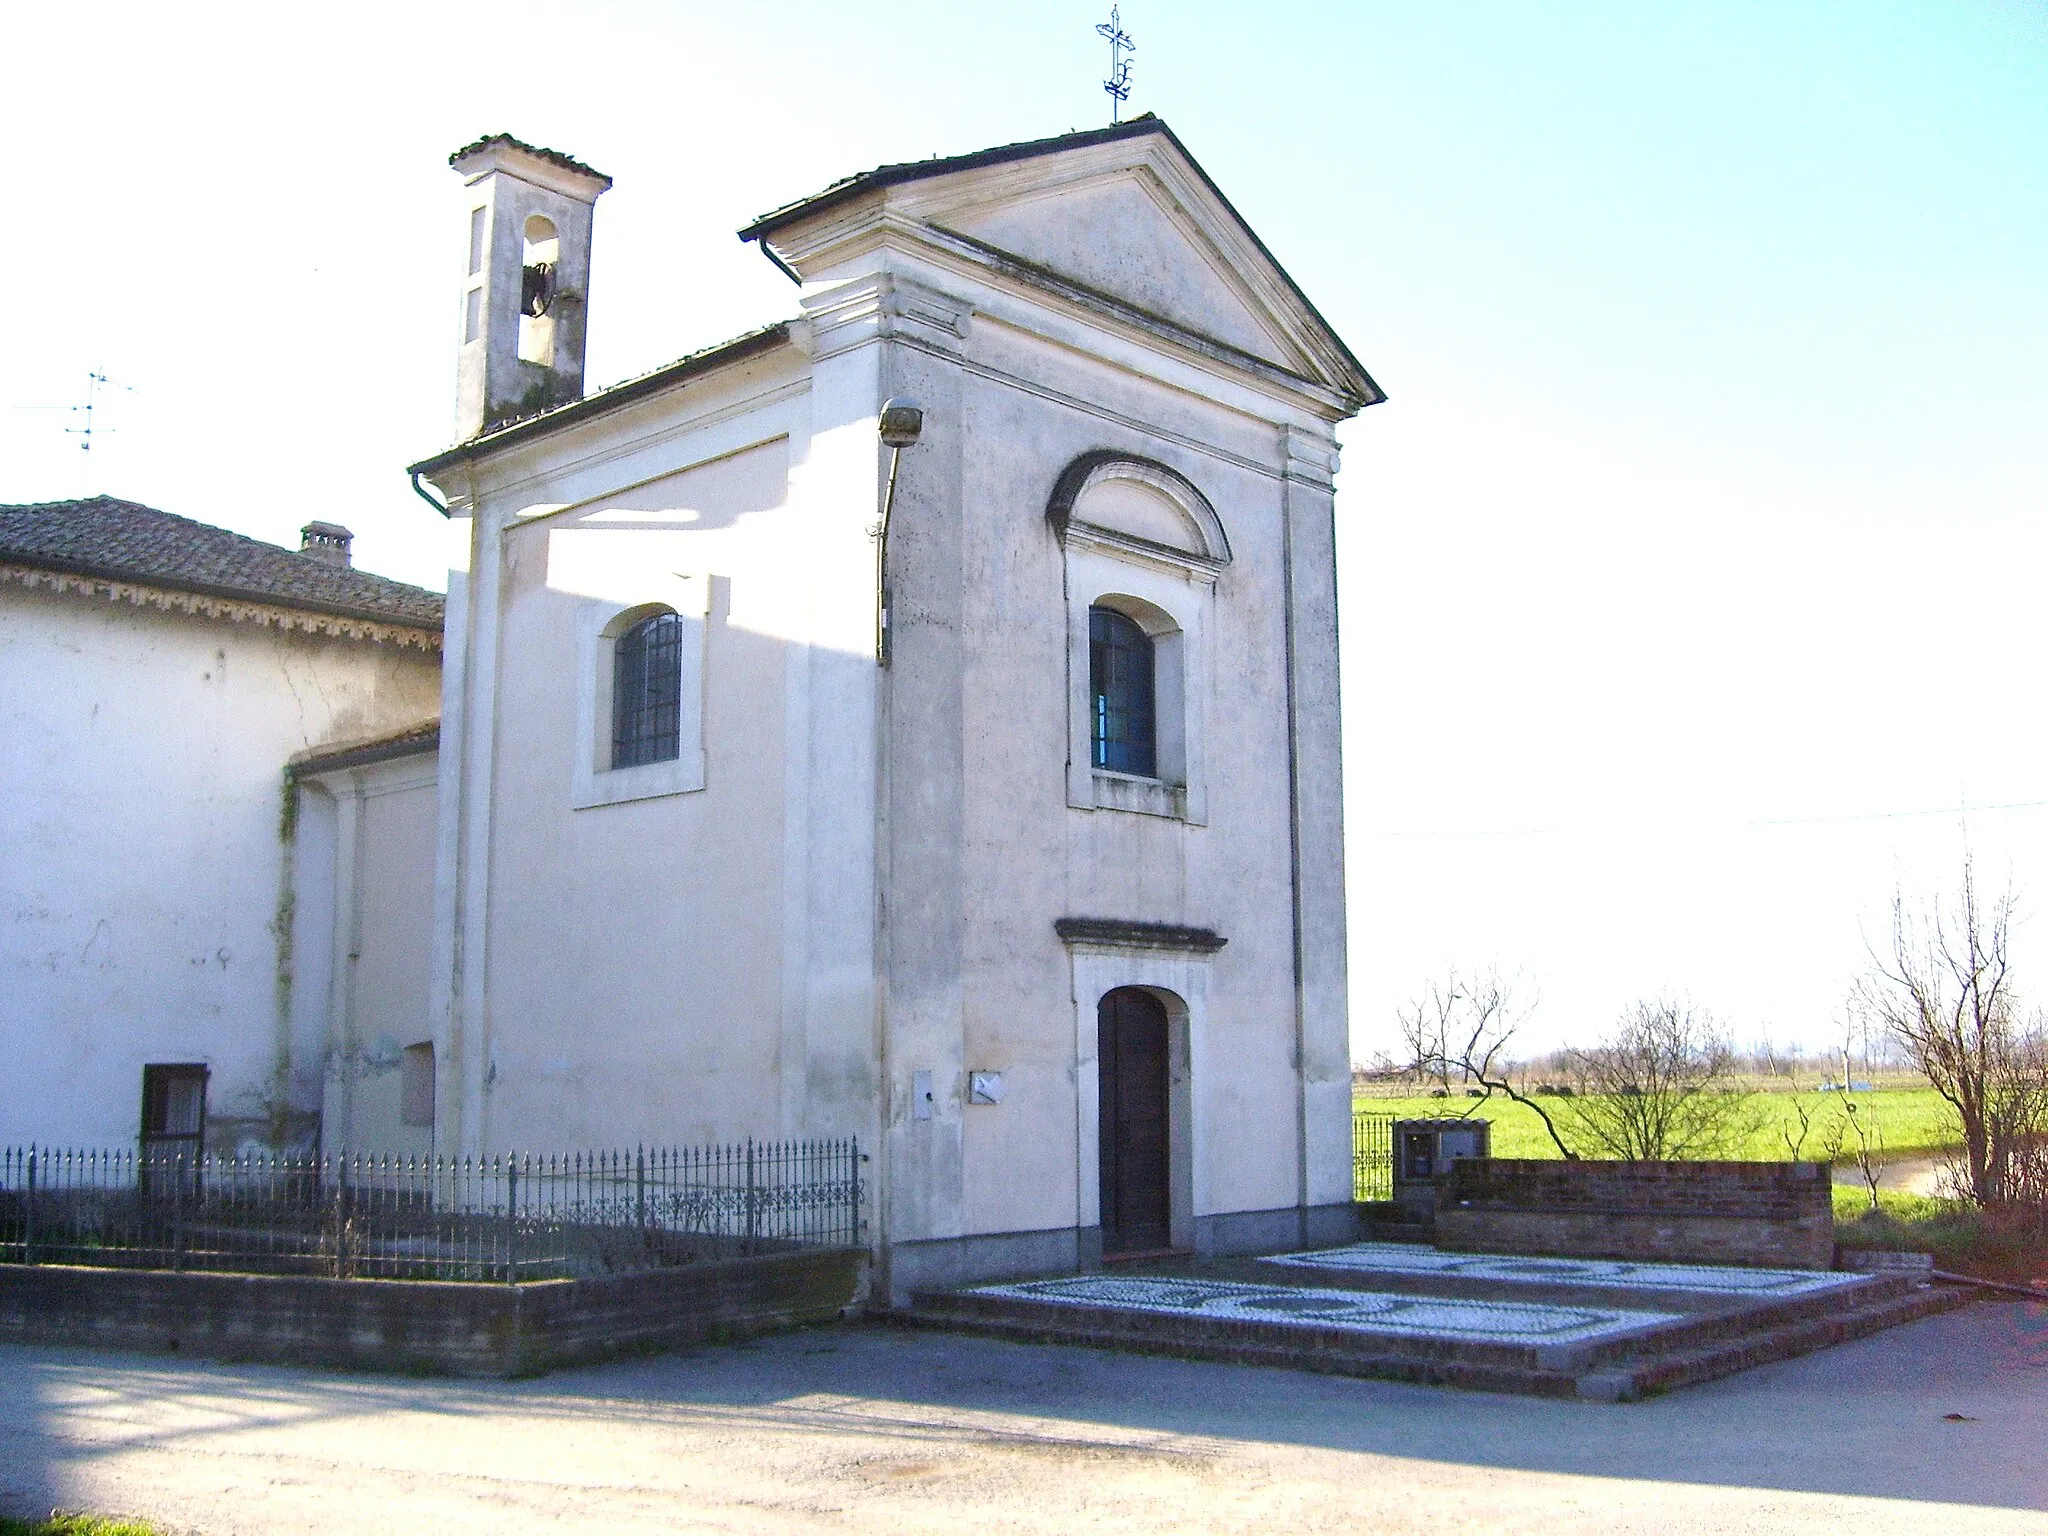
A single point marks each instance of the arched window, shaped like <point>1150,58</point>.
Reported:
<point>647,690</point>
<point>1121,694</point>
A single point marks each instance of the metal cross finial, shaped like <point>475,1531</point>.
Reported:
<point>1119,82</point>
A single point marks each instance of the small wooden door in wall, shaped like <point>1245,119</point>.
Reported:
<point>1132,1066</point>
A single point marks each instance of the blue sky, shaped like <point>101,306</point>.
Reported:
<point>1699,539</point>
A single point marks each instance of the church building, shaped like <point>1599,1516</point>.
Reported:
<point>915,720</point>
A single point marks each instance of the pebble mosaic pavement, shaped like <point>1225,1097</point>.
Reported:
<point>1616,1274</point>
<point>1363,1312</point>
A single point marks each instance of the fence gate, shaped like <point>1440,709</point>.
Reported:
<point>1372,1156</point>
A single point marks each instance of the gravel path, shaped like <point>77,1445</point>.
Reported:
<point>872,1429</point>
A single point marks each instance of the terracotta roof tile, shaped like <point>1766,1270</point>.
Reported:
<point>552,156</point>
<point>122,540</point>
<point>942,165</point>
<point>612,396</point>
<point>413,741</point>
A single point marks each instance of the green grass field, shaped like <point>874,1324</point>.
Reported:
<point>72,1525</point>
<point>2010,1245</point>
<point>1913,1121</point>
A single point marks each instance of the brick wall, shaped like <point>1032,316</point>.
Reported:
<point>1769,1214</point>
<point>409,1325</point>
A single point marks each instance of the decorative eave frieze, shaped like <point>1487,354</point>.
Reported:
<point>234,610</point>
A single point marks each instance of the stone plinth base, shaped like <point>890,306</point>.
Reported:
<point>418,1325</point>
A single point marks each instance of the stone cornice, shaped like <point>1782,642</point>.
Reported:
<point>1309,458</point>
<point>1122,933</point>
<point>234,610</point>
<point>886,305</point>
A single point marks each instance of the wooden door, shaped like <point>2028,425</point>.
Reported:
<point>1131,1060</point>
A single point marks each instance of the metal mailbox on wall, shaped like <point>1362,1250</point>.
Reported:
<point>1425,1148</point>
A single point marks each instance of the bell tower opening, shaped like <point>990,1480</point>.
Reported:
<point>540,256</point>
<point>526,284</point>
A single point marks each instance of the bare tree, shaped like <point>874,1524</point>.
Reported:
<point>1767,1060</point>
<point>1871,1161</point>
<point>1666,1086</point>
<point>1945,994</point>
<point>1817,1118</point>
<point>1461,1027</point>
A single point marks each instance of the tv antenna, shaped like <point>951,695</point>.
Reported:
<point>1118,85</point>
<point>94,382</point>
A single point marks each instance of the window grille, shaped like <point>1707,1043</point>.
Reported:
<point>647,692</point>
<point>1121,701</point>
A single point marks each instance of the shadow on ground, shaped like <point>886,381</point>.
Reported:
<point>1947,1411</point>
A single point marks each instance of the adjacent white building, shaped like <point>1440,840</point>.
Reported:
<point>1020,857</point>
<point>156,677</point>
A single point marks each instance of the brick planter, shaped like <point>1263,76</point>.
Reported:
<point>1777,1215</point>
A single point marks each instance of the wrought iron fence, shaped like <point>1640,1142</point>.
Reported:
<point>1372,1156</point>
<point>507,1218</point>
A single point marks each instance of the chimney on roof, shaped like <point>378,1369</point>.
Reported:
<point>526,280</point>
<point>326,542</point>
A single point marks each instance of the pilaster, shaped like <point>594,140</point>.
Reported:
<point>1316,795</point>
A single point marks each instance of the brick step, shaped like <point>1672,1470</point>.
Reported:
<point>1703,1329</point>
<point>1233,1344</point>
<point>1175,1329</point>
<point>1705,1310</point>
<point>1612,1370</point>
<point>1662,1372</point>
<point>1378,1231</point>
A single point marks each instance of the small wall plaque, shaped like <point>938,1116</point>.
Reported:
<point>984,1087</point>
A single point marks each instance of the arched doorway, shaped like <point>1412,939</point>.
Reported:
<point>1132,1074</point>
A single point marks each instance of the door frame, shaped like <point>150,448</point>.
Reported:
<point>1180,980</point>
<point>1164,1085</point>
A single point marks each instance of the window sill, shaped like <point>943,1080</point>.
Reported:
<point>647,781</point>
<point>1145,797</point>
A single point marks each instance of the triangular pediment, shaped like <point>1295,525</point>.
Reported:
<point>1124,235</point>
<point>1124,214</point>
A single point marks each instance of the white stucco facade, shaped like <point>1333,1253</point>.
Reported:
<point>149,857</point>
<point>854,885</point>
<point>364,919</point>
